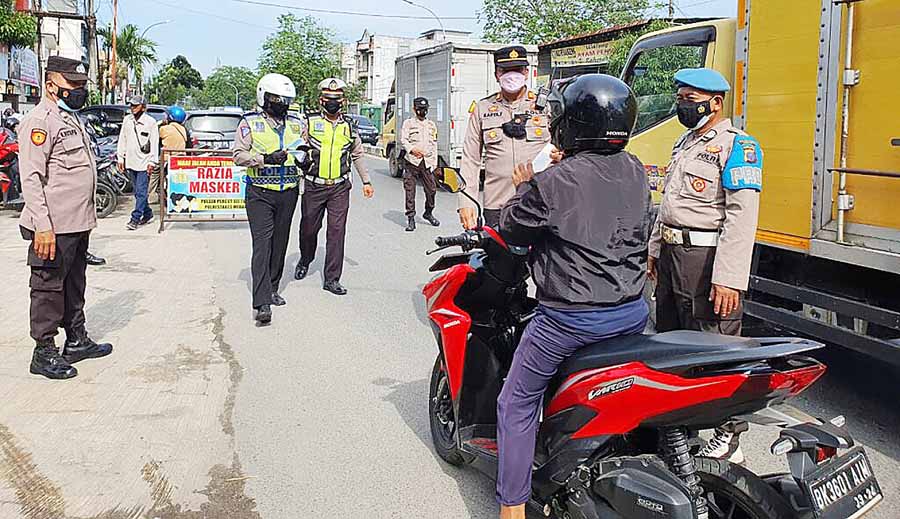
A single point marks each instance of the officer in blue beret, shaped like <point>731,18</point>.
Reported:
<point>702,242</point>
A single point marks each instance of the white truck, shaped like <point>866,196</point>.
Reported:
<point>451,76</point>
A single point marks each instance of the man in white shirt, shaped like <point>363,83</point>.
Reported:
<point>138,152</point>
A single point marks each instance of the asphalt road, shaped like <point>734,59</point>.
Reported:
<point>200,414</point>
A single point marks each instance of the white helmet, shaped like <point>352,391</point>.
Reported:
<point>332,86</point>
<point>276,84</point>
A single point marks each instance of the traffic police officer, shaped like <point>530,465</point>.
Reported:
<point>702,242</point>
<point>508,129</point>
<point>268,144</point>
<point>59,178</point>
<point>334,144</point>
<point>418,136</point>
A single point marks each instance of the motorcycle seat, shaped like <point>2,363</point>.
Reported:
<point>656,350</point>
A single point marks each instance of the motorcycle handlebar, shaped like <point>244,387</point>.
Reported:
<point>450,241</point>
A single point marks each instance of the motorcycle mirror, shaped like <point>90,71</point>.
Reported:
<point>450,180</point>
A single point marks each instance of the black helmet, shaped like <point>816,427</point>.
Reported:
<point>591,112</point>
<point>420,102</point>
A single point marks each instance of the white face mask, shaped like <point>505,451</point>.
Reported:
<point>512,81</point>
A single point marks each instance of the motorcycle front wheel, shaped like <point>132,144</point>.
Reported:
<point>442,417</point>
<point>107,199</point>
<point>733,492</point>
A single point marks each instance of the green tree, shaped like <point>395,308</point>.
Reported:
<point>16,28</point>
<point>304,51</point>
<point>528,21</point>
<point>178,80</point>
<point>219,87</point>
<point>134,50</point>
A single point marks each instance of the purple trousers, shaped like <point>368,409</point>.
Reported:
<point>552,336</point>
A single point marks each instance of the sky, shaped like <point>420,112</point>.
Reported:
<point>231,32</point>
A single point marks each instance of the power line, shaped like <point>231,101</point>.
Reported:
<point>211,15</point>
<point>349,13</point>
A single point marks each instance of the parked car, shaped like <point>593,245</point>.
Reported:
<point>367,130</point>
<point>212,129</point>
<point>111,116</point>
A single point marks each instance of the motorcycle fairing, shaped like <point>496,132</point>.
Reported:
<point>453,323</point>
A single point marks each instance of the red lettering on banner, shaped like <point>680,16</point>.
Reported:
<point>214,187</point>
<point>215,173</point>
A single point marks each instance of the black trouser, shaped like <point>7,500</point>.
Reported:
<point>429,183</point>
<point>57,287</point>
<point>316,200</point>
<point>270,214</point>
<point>492,218</point>
<point>682,292</point>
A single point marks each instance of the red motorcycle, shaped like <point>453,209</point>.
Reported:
<point>619,433</point>
<point>9,168</point>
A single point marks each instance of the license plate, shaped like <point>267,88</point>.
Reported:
<point>845,488</point>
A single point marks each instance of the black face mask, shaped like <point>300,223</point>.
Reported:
<point>421,113</point>
<point>692,114</point>
<point>332,106</point>
<point>277,110</point>
<point>74,98</point>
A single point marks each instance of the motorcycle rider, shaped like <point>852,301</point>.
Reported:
<point>587,222</point>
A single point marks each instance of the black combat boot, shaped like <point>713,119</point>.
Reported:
<point>431,219</point>
<point>411,224</point>
<point>301,271</point>
<point>335,288</point>
<point>93,260</point>
<point>263,315</point>
<point>83,347</point>
<point>47,361</point>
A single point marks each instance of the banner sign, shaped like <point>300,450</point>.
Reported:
<point>23,66</point>
<point>590,54</point>
<point>205,186</point>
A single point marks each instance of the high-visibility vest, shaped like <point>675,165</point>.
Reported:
<point>269,140</point>
<point>330,146</point>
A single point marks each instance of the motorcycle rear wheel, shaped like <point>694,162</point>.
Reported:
<point>442,418</point>
<point>106,199</point>
<point>734,492</point>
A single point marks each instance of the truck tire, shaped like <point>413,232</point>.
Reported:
<point>394,163</point>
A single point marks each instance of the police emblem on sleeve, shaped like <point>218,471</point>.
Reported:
<point>38,137</point>
<point>743,170</point>
<point>245,131</point>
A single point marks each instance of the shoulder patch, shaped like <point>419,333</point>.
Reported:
<point>472,107</point>
<point>38,137</point>
<point>245,130</point>
<point>531,96</point>
<point>743,170</point>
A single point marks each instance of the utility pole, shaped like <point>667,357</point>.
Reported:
<point>93,58</point>
<point>112,63</point>
<point>671,9</point>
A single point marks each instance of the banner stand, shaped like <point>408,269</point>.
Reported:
<point>200,185</point>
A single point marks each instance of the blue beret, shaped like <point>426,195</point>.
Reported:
<point>705,79</point>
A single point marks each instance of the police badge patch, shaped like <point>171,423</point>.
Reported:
<point>245,131</point>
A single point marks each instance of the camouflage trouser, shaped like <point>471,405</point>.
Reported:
<point>682,292</point>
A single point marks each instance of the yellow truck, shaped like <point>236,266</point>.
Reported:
<point>816,82</point>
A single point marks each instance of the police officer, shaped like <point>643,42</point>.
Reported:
<point>508,129</point>
<point>59,178</point>
<point>418,136</point>
<point>586,222</point>
<point>702,242</point>
<point>268,143</point>
<point>334,144</point>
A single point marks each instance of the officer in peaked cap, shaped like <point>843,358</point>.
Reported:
<point>418,136</point>
<point>702,242</point>
<point>507,129</point>
<point>59,179</point>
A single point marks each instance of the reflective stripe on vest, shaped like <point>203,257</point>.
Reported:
<point>265,140</point>
<point>331,145</point>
